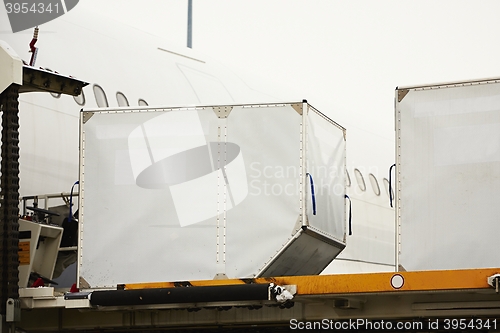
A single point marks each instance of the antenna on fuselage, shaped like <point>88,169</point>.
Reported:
<point>190,24</point>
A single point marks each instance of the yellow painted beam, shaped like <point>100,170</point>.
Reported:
<point>199,283</point>
<point>358,283</point>
<point>381,282</point>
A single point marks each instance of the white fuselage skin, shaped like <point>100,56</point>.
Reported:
<point>140,66</point>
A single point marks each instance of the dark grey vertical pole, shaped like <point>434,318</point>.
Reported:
<point>9,210</point>
<point>190,24</point>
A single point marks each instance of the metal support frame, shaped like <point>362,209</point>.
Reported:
<point>33,79</point>
<point>428,297</point>
<point>9,205</point>
<point>9,226</point>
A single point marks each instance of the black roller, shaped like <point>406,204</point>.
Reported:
<point>243,292</point>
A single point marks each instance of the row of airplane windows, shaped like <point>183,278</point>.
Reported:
<point>360,180</point>
<point>102,101</point>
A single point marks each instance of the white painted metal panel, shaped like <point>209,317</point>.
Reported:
<point>269,138</point>
<point>325,163</point>
<point>449,176</point>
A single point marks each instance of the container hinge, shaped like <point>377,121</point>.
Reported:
<point>282,294</point>
<point>222,111</point>
<point>13,310</point>
<point>297,107</point>
<point>493,281</point>
<point>87,115</point>
<point>402,93</point>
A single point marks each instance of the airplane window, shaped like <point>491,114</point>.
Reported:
<point>142,102</point>
<point>386,185</point>
<point>80,99</point>
<point>360,180</point>
<point>348,179</point>
<point>100,96</point>
<point>374,183</point>
<point>122,100</point>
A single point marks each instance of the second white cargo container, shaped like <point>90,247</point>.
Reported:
<point>448,172</point>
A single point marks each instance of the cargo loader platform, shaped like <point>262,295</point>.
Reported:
<point>405,296</point>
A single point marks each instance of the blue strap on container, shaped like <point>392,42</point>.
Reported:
<point>312,193</point>
<point>390,183</point>
<point>350,214</point>
<point>70,217</point>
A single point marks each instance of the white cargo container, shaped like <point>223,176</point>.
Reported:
<point>208,192</point>
<point>448,175</point>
